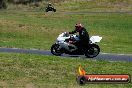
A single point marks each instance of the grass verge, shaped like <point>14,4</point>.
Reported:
<point>96,5</point>
<point>35,71</point>
<point>39,30</point>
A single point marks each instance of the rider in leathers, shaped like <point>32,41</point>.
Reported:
<point>83,36</point>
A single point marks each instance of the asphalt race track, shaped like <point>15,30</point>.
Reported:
<point>101,56</point>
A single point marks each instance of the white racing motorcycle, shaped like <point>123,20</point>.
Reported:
<point>62,45</point>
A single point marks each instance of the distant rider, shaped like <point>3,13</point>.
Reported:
<point>50,6</point>
<point>83,36</point>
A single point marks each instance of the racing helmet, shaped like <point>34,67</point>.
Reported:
<point>78,27</point>
<point>49,3</point>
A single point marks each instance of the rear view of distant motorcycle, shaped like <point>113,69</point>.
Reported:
<point>50,8</point>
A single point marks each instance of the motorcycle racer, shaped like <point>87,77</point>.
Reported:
<point>50,7</point>
<point>83,36</point>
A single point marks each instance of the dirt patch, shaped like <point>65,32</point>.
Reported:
<point>30,85</point>
<point>3,85</point>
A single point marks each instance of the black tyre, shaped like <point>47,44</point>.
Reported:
<point>92,51</point>
<point>54,10</point>
<point>81,80</point>
<point>55,50</point>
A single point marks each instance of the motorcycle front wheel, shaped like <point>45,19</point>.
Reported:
<point>92,51</point>
<point>55,50</point>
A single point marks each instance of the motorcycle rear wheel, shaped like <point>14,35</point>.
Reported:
<point>54,10</point>
<point>55,50</point>
<point>92,51</point>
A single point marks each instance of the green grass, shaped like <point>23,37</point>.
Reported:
<point>36,71</point>
<point>39,30</point>
<point>79,5</point>
<point>95,5</point>
<point>22,28</point>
